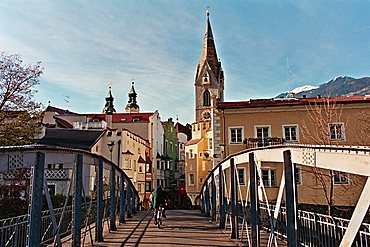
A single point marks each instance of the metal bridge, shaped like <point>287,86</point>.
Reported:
<point>102,205</point>
<point>246,217</point>
<point>100,192</point>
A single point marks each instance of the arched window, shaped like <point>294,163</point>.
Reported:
<point>206,98</point>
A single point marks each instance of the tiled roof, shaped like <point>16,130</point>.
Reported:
<point>124,117</point>
<point>193,141</point>
<point>292,102</point>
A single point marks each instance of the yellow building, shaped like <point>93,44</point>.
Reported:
<point>198,159</point>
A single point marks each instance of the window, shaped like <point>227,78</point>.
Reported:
<point>147,167</point>
<point>127,164</point>
<point>191,154</point>
<point>235,135</point>
<point>191,179</point>
<point>140,168</point>
<point>269,177</point>
<point>291,133</point>
<point>340,177</point>
<point>206,98</point>
<point>158,164</point>
<point>262,131</point>
<point>201,180</point>
<point>52,189</point>
<point>55,166</point>
<point>148,186</point>
<point>241,176</point>
<point>210,146</point>
<point>336,131</point>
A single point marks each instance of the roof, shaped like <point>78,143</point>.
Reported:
<point>127,152</point>
<point>71,138</point>
<point>124,117</point>
<point>141,160</point>
<point>59,110</point>
<point>63,123</point>
<point>292,102</point>
<point>193,141</point>
<point>184,129</point>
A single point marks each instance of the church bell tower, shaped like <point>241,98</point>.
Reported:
<point>209,78</point>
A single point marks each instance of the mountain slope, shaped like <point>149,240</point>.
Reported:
<point>338,86</point>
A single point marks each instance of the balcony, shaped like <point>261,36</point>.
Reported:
<point>262,142</point>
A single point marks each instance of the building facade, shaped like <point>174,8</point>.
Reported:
<point>231,127</point>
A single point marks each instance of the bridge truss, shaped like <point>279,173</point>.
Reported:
<point>97,192</point>
<point>242,211</point>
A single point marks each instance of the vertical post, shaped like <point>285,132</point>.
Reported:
<point>202,201</point>
<point>99,201</point>
<point>291,200</point>
<point>129,200</point>
<point>36,201</point>
<point>233,201</point>
<point>213,197</point>
<point>254,201</point>
<point>221,197</point>
<point>122,204</point>
<point>113,199</point>
<point>134,201</point>
<point>208,204</point>
<point>77,201</point>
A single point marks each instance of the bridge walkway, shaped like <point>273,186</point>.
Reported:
<point>180,228</point>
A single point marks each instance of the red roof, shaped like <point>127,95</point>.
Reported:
<point>292,102</point>
<point>124,117</point>
<point>192,142</point>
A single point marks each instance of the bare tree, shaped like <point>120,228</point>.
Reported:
<point>363,128</point>
<point>19,113</point>
<point>321,115</point>
<point>321,129</point>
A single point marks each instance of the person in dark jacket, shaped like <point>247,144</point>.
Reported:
<point>159,200</point>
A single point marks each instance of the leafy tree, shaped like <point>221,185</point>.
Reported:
<point>20,115</point>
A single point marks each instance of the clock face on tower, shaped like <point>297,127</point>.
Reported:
<point>206,115</point>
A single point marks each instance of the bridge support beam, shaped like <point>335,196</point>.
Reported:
<point>233,201</point>
<point>202,201</point>
<point>36,201</point>
<point>77,201</point>
<point>255,224</point>
<point>113,199</point>
<point>213,197</point>
<point>99,201</point>
<point>134,201</point>
<point>291,200</point>
<point>122,205</point>
<point>357,216</point>
<point>208,204</point>
<point>129,200</point>
<point>221,193</point>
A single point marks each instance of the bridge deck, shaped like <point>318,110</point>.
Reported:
<point>180,228</point>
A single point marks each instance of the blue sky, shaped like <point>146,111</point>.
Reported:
<point>86,45</point>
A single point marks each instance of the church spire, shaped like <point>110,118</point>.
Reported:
<point>209,78</point>
<point>109,107</point>
<point>209,53</point>
<point>208,27</point>
<point>132,105</point>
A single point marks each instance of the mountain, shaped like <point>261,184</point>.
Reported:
<point>338,86</point>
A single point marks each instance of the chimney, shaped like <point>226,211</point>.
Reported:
<point>319,96</point>
<point>304,96</point>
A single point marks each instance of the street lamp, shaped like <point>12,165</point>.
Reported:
<point>110,148</point>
